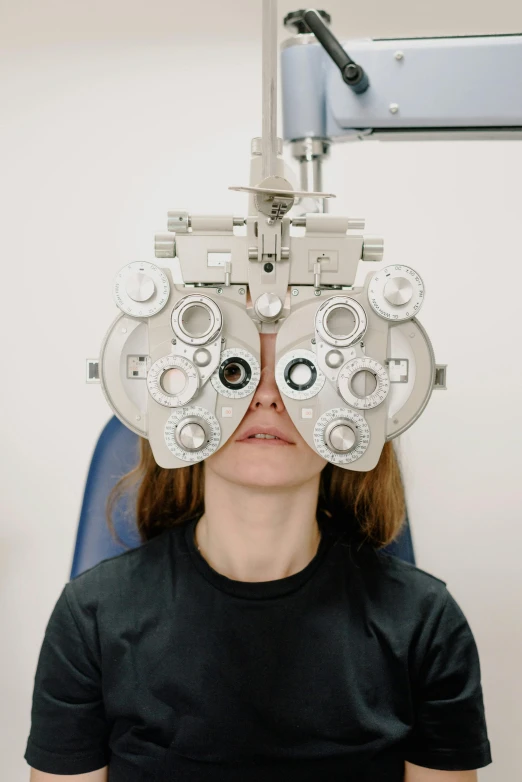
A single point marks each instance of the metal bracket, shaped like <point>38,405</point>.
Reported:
<point>92,371</point>
<point>439,383</point>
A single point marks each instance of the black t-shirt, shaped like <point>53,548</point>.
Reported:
<point>165,670</point>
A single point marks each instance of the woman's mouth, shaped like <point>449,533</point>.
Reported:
<point>273,441</point>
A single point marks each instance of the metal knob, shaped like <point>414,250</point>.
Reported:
<point>373,248</point>
<point>398,291</point>
<point>139,286</point>
<point>191,435</point>
<point>268,306</point>
<point>342,438</point>
<point>165,245</point>
<point>178,220</point>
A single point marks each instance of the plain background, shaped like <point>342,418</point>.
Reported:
<point>115,112</point>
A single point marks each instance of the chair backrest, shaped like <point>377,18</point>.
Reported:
<point>116,453</point>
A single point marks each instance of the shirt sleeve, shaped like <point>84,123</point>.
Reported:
<point>450,729</point>
<point>69,730</point>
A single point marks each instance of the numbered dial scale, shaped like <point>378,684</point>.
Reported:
<point>192,433</point>
<point>297,374</point>
<point>341,435</point>
<point>173,381</point>
<point>238,373</point>
<point>141,289</point>
<point>348,373</point>
<point>396,293</point>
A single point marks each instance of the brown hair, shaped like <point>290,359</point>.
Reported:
<point>370,505</point>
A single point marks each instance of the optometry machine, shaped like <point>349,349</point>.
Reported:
<point>180,363</point>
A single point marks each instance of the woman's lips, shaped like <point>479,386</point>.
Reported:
<point>264,441</point>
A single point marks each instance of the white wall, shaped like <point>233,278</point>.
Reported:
<point>114,112</point>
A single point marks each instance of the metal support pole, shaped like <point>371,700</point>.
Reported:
<point>269,136</point>
<point>310,153</point>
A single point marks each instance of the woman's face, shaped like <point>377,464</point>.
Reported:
<point>260,462</point>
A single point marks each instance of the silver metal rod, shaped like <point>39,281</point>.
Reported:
<point>311,174</point>
<point>269,136</point>
<point>310,153</point>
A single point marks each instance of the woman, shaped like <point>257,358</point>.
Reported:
<point>259,633</point>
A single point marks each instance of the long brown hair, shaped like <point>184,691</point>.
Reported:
<point>370,505</point>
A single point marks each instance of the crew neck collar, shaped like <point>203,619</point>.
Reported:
<point>258,589</point>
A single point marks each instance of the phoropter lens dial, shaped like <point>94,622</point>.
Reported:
<point>396,293</point>
<point>173,381</point>
<point>341,321</point>
<point>192,433</point>
<point>357,370</point>
<point>141,289</point>
<point>341,435</point>
<point>238,373</point>
<point>297,374</point>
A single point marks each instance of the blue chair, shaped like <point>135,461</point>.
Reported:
<point>116,453</point>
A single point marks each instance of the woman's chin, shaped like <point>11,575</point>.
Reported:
<point>256,469</point>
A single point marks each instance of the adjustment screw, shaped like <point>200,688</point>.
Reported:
<point>399,55</point>
<point>394,108</point>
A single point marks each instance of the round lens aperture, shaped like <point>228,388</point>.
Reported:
<point>235,373</point>
<point>238,373</point>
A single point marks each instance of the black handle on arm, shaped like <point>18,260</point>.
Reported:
<point>353,75</point>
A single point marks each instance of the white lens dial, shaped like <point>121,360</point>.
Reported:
<point>396,293</point>
<point>141,289</point>
<point>238,373</point>
<point>297,374</point>
<point>349,376</point>
<point>196,319</point>
<point>341,435</point>
<point>173,381</point>
<point>192,433</point>
<point>341,321</point>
